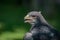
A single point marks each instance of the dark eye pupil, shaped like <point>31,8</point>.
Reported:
<point>33,16</point>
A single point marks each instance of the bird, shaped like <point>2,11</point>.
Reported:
<point>40,28</point>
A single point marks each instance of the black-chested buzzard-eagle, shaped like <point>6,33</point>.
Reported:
<point>40,29</point>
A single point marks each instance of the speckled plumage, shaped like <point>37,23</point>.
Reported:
<point>41,30</point>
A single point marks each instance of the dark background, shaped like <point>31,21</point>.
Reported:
<point>12,12</point>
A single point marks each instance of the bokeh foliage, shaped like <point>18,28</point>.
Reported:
<point>12,12</point>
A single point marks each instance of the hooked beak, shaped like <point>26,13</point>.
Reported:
<point>27,19</point>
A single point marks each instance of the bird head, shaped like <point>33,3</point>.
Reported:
<point>32,17</point>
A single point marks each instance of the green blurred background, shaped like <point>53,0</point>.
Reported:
<point>12,12</point>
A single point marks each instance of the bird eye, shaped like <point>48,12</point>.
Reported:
<point>33,16</point>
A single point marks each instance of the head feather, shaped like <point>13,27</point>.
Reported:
<point>38,13</point>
